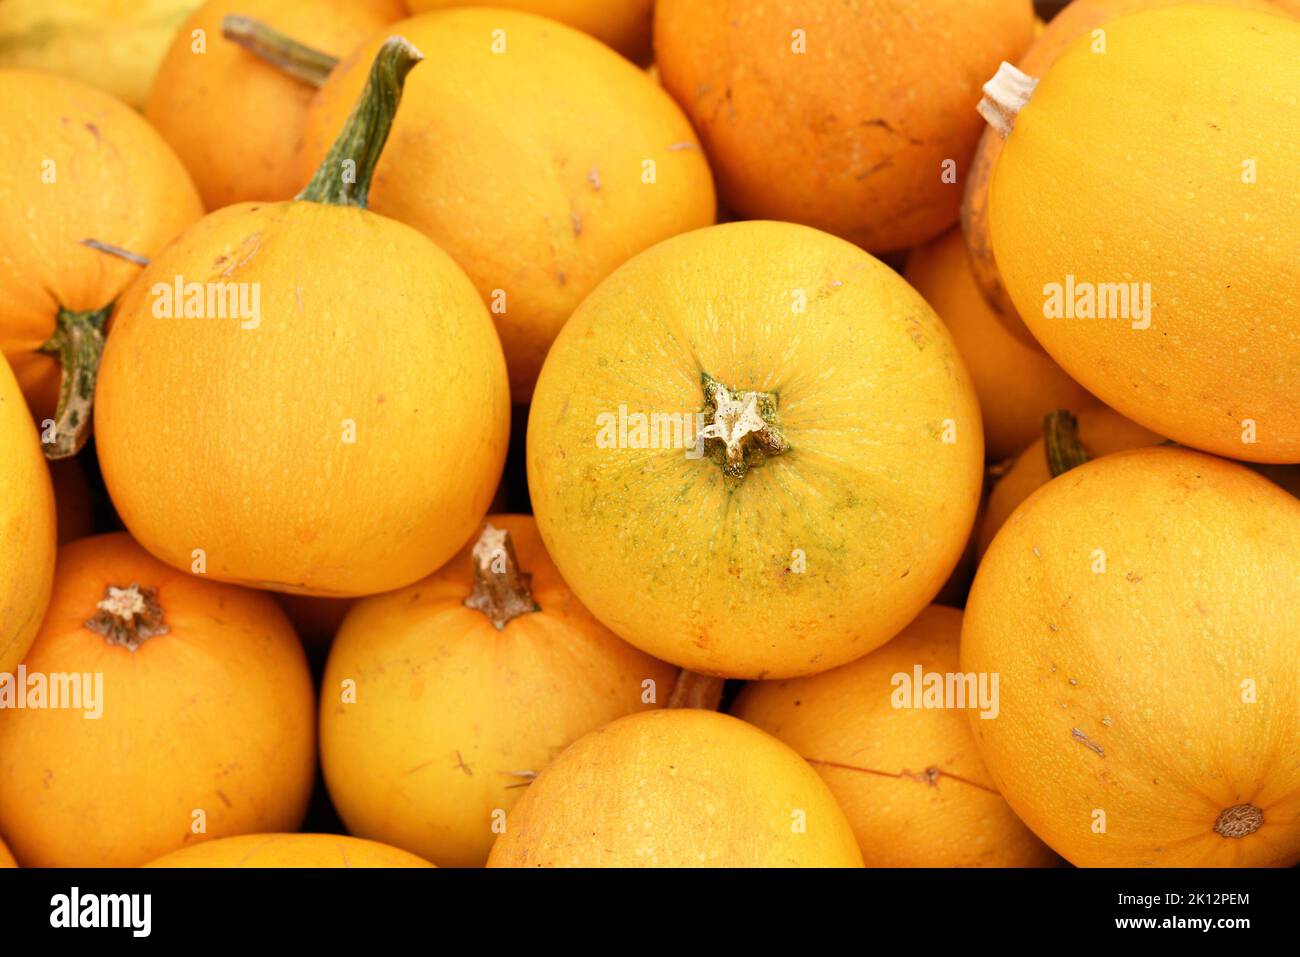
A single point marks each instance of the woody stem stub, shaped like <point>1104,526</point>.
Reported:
<point>128,616</point>
<point>1005,96</point>
<point>502,591</point>
<point>742,429</point>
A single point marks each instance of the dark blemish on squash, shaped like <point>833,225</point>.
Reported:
<point>460,765</point>
<point>576,220</point>
<point>94,131</point>
<point>1087,742</point>
<point>379,399</point>
<point>906,572</point>
<point>224,800</point>
<point>561,278</point>
<point>1133,577</point>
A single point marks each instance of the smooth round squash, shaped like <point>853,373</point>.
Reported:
<point>1129,170</point>
<point>909,779</point>
<point>595,164</point>
<point>115,45</point>
<point>677,788</point>
<point>236,121</point>
<point>1102,431</point>
<point>1143,613</point>
<point>441,701</point>
<point>621,24</point>
<point>91,169</point>
<point>290,850</point>
<point>27,526</point>
<point>839,115</point>
<point>1079,18</point>
<point>6,859</point>
<point>344,441</point>
<point>1017,384</point>
<point>838,466</point>
<point>204,715</point>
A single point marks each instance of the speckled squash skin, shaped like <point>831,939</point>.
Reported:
<point>113,179</point>
<point>238,447</point>
<point>215,715</point>
<point>621,24</point>
<point>1102,431</point>
<point>290,850</point>
<point>538,210</point>
<point>910,780</point>
<point>27,526</point>
<point>851,135</point>
<point>1141,702</point>
<point>1017,384</point>
<point>450,716</point>
<point>1077,19</point>
<point>677,788</point>
<point>235,120</point>
<point>1216,368</point>
<point>817,555</point>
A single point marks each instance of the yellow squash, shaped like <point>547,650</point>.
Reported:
<point>1078,18</point>
<point>837,474</point>
<point>115,45</point>
<point>1142,612</point>
<point>1143,214</point>
<point>341,432</point>
<point>290,850</point>
<point>1017,384</point>
<point>900,761</point>
<point>27,526</point>
<point>677,788</point>
<point>442,700</point>
<point>594,164</point>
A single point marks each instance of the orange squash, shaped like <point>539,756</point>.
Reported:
<point>342,438</point>
<point>443,699</point>
<point>1198,341</point>
<point>1017,384</point>
<point>1079,18</point>
<point>27,526</point>
<point>595,164</point>
<point>6,859</point>
<point>854,118</point>
<point>290,850</point>
<point>909,778</point>
<point>677,788</point>
<point>92,169</point>
<point>773,459</point>
<point>1102,431</point>
<point>1143,614</point>
<point>621,24</point>
<point>236,121</point>
<point>198,726</point>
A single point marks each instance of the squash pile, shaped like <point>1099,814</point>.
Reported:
<point>442,435</point>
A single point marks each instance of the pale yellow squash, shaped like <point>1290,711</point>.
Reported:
<point>837,484</point>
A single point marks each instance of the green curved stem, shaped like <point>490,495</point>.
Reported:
<point>78,342</point>
<point>283,52</point>
<point>1061,442</point>
<point>343,179</point>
